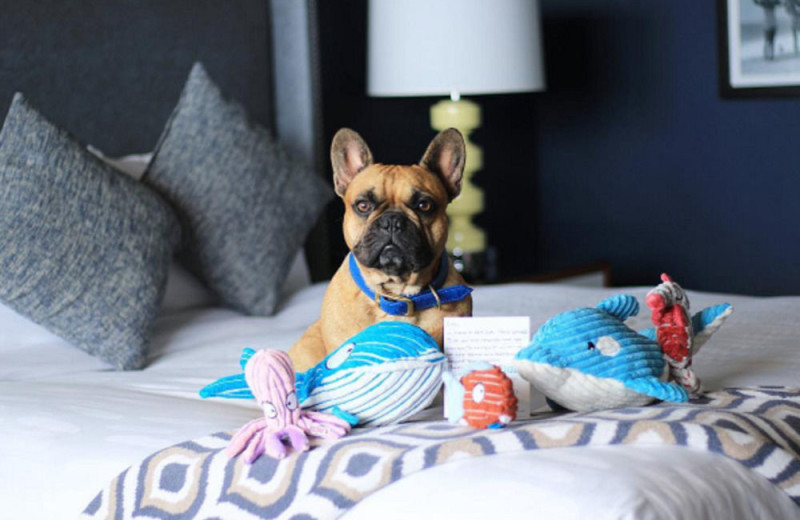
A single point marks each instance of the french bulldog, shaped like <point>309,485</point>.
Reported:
<point>395,226</point>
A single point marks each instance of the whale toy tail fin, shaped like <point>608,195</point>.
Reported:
<point>247,353</point>
<point>231,387</point>
<point>228,387</point>
<point>704,323</point>
<point>707,322</point>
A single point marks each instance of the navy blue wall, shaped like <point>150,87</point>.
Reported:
<point>642,163</point>
<point>631,156</point>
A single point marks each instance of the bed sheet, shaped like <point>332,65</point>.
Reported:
<point>69,424</point>
<point>601,483</point>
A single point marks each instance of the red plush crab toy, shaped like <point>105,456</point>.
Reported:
<point>676,330</point>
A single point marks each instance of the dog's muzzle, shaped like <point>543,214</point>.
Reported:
<point>394,245</point>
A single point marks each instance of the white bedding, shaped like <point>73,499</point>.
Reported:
<point>68,424</point>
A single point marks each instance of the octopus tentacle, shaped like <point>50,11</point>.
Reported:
<point>272,445</point>
<point>297,438</point>
<point>243,437</point>
<point>256,446</point>
<point>323,425</point>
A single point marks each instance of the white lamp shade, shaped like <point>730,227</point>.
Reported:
<point>436,47</point>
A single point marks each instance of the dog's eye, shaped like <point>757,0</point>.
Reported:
<point>424,206</point>
<point>363,207</point>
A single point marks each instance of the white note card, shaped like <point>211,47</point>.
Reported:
<point>494,340</point>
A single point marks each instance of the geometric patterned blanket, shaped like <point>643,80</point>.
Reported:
<point>758,427</point>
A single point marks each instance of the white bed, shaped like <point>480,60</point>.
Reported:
<point>70,424</point>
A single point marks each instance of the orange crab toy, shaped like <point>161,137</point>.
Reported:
<point>481,398</point>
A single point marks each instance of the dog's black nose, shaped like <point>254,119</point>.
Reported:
<point>392,221</point>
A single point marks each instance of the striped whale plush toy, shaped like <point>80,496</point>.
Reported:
<point>382,375</point>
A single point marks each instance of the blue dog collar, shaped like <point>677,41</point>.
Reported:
<point>434,296</point>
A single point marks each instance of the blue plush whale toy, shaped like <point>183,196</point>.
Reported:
<point>588,359</point>
<point>382,375</point>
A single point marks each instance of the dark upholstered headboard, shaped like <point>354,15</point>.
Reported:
<point>111,71</point>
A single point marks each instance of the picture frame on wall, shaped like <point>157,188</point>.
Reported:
<point>759,47</point>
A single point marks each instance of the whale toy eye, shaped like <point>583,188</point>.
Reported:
<point>591,346</point>
<point>340,356</point>
<point>608,346</point>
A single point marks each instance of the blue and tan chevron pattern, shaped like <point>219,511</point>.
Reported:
<point>759,427</point>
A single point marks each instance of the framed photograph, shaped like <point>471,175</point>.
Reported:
<point>759,47</point>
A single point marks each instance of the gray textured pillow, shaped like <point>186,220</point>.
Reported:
<point>244,206</point>
<point>84,250</point>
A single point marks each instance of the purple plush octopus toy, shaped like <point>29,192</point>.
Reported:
<point>270,376</point>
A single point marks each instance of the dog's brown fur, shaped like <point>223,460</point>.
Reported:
<point>346,310</point>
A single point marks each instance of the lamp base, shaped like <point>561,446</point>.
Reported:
<point>466,242</point>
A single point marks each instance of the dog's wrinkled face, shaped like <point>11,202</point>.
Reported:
<point>395,222</point>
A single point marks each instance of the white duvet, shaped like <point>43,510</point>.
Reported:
<point>68,424</point>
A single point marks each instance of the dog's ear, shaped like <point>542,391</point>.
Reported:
<point>445,157</point>
<point>349,155</point>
